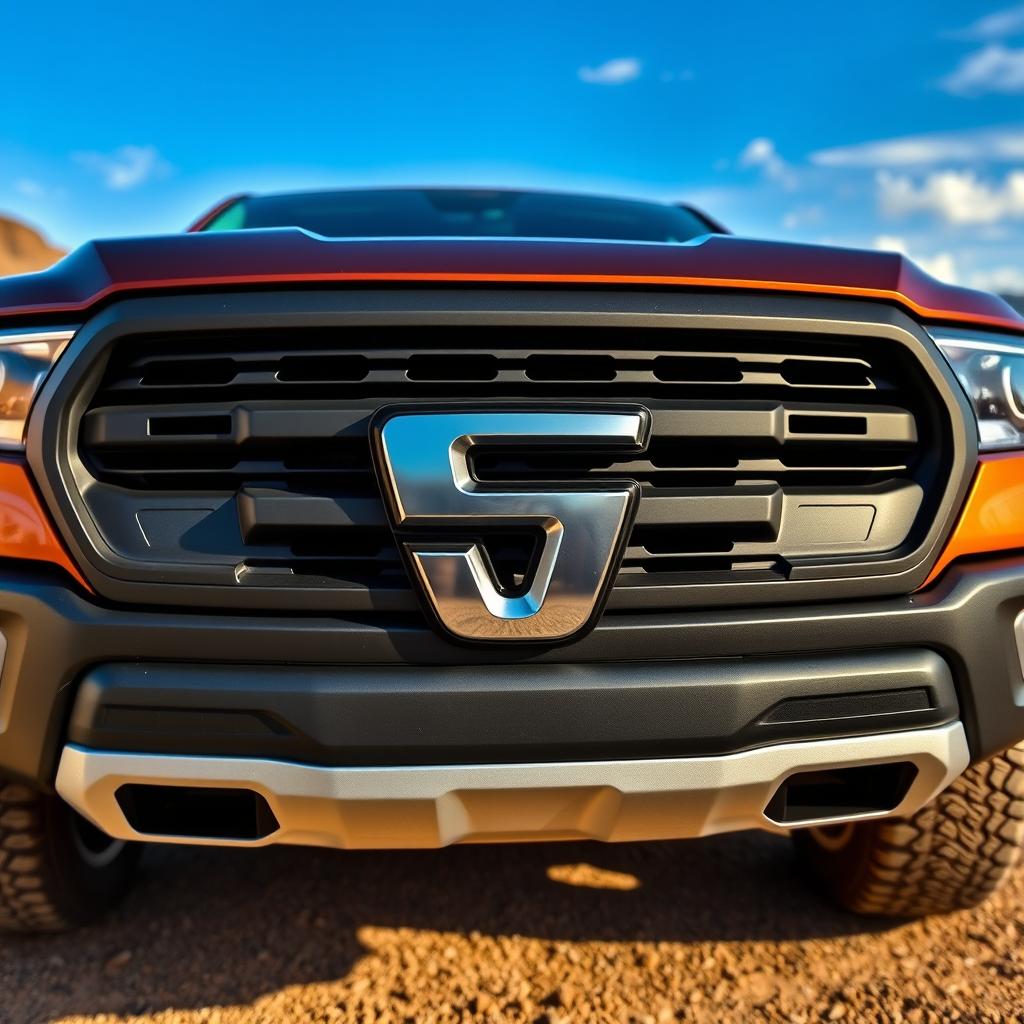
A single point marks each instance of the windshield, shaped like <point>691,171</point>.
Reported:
<point>431,213</point>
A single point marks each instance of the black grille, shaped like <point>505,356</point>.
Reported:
<point>770,452</point>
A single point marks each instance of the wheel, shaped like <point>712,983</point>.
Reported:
<point>950,855</point>
<point>56,869</point>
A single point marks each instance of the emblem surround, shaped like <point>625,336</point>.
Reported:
<point>423,457</point>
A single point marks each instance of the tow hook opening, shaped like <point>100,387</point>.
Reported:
<point>197,812</point>
<point>807,797</point>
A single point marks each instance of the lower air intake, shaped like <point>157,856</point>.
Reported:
<point>870,789</point>
<point>196,812</point>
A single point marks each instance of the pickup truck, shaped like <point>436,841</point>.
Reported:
<point>395,518</point>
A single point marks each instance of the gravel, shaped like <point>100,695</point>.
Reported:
<point>718,930</point>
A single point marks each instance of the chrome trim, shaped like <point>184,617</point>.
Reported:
<point>1017,682</point>
<point>425,807</point>
<point>22,373</point>
<point>981,341</point>
<point>20,336</point>
<point>423,460</point>
<point>989,389</point>
<point>6,691</point>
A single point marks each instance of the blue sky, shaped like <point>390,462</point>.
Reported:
<point>876,123</point>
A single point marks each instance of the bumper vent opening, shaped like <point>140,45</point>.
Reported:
<point>197,812</point>
<point>808,797</point>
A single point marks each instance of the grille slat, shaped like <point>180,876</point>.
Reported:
<point>264,510</point>
<point>642,379</point>
<point>779,423</point>
<point>250,449</point>
<point>739,506</point>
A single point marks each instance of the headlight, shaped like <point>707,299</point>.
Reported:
<point>991,369</point>
<point>26,357</point>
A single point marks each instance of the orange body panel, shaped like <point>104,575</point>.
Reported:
<point>993,515</point>
<point>25,530</point>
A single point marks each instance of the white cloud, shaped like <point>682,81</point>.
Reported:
<point>803,216</point>
<point>998,25</point>
<point>986,144</point>
<point>890,243</point>
<point>941,265</point>
<point>994,68</point>
<point>957,197</point>
<point>29,188</point>
<point>1008,280</point>
<point>761,153</point>
<point>127,167</point>
<point>612,72</point>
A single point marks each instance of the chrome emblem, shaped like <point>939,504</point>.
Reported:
<point>439,510</point>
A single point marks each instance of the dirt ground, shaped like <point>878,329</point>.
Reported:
<point>717,930</point>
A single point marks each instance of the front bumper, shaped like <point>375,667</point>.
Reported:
<point>640,694</point>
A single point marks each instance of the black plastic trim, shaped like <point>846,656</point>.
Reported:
<point>499,714</point>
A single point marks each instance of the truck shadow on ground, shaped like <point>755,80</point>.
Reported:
<point>221,927</point>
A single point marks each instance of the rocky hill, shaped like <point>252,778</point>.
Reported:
<point>23,249</point>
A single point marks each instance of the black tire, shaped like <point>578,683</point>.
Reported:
<point>56,869</point>
<point>951,855</point>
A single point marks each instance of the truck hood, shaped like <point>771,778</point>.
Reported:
<point>101,270</point>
